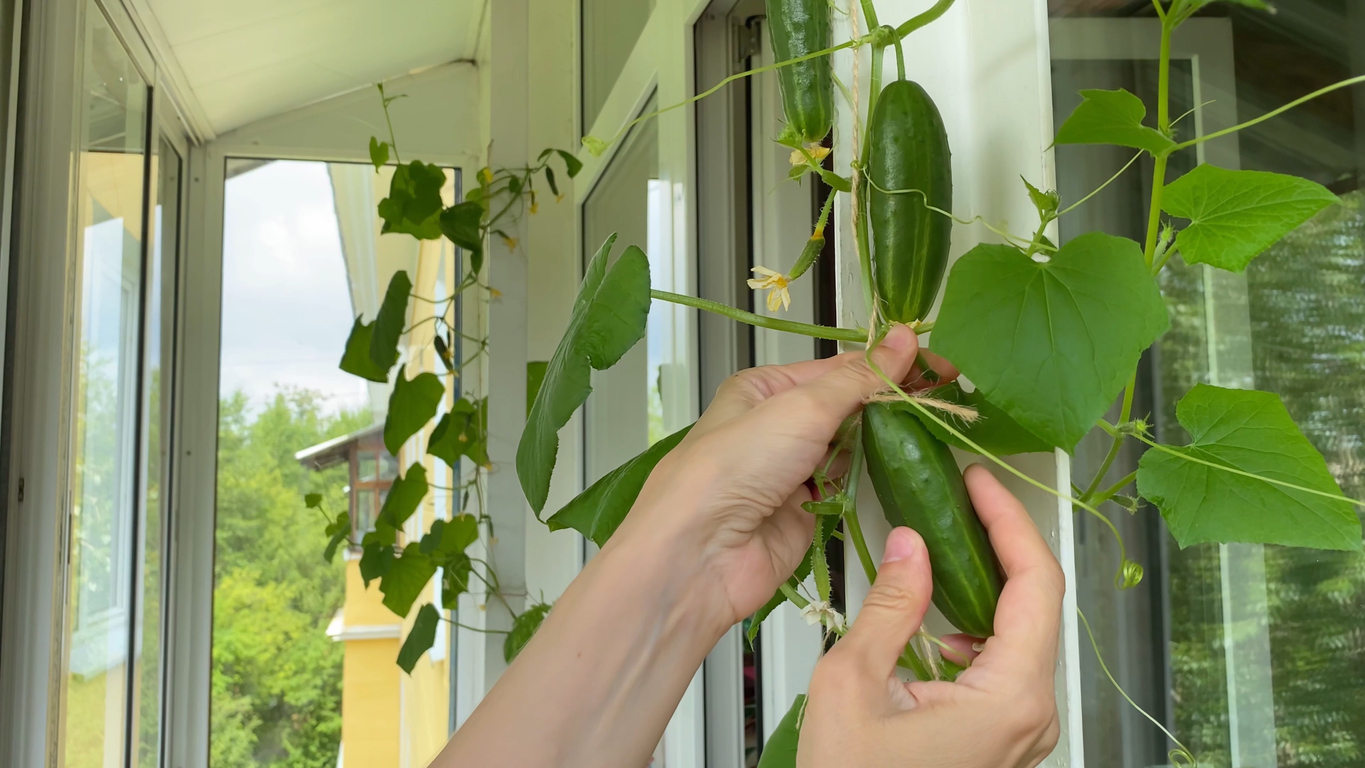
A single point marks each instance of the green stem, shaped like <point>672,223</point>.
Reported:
<point>869,14</point>
<point>922,20</point>
<point>1124,415</point>
<point>1274,113</point>
<point>1115,488</point>
<point>1163,104</point>
<point>911,661</point>
<point>796,597</point>
<point>856,335</point>
<point>900,60</point>
<point>1100,188</point>
<point>393,142</point>
<point>855,527</point>
<point>478,629</point>
<point>1154,215</point>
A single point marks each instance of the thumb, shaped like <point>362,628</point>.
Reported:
<point>894,607</point>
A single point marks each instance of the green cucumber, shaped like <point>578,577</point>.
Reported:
<point>908,150</point>
<point>920,486</point>
<point>799,28</point>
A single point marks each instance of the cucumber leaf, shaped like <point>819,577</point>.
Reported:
<point>379,152</point>
<point>407,577</point>
<point>414,202</point>
<point>404,496</point>
<point>449,537</point>
<point>420,638</point>
<point>1051,343</point>
<point>1112,117</point>
<point>1236,215</point>
<point>608,318</point>
<point>993,429</point>
<point>411,406</point>
<point>389,323</point>
<point>780,750</point>
<point>598,512</point>
<point>463,225</point>
<point>1250,432</point>
<point>462,432</point>
<point>523,629</point>
<point>356,359</point>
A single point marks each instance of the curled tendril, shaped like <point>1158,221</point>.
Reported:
<point>1182,758</point>
<point>1129,575</point>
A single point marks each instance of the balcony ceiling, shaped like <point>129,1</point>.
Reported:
<point>250,59</point>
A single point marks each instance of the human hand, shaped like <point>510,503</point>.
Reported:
<point>729,497</point>
<point>1001,712</point>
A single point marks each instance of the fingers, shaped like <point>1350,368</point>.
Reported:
<point>894,607</point>
<point>746,389</point>
<point>964,648</point>
<point>821,404</point>
<point>1028,617</point>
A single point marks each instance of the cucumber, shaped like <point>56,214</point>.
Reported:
<point>798,28</point>
<point>920,486</point>
<point>908,149</point>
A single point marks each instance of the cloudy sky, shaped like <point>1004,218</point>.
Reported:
<point>286,308</point>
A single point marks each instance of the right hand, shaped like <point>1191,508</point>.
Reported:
<point>1001,712</point>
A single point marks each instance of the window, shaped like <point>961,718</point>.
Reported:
<point>610,31</point>
<point>1250,654</point>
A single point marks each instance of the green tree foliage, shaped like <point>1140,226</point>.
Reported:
<point>276,675</point>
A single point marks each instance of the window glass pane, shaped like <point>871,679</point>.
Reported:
<point>108,239</point>
<point>1250,654</point>
<point>304,657</point>
<point>157,389</point>
<point>610,30</point>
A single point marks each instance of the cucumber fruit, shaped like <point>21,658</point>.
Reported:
<point>799,28</point>
<point>908,150</point>
<point>920,486</point>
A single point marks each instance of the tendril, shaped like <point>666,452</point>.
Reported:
<point>999,229</point>
<point>1180,756</point>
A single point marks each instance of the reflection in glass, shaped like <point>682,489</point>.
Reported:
<point>109,243</point>
<point>1251,655</point>
<point>610,31</point>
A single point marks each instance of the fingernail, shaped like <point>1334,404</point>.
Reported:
<point>901,544</point>
<point>898,338</point>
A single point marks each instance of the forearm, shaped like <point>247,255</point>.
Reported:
<point>600,680</point>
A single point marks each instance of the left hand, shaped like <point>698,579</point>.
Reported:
<point>728,498</point>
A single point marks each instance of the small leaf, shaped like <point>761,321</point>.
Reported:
<point>572,165</point>
<point>1236,215</point>
<point>379,153</point>
<point>462,432</point>
<point>412,404</point>
<point>356,359</point>
<point>780,750</point>
<point>455,579</point>
<point>414,201</point>
<point>993,429</point>
<point>339,530</point>
<point>463,225</point>
<point>1251,432</point>
<point>595,146</point>
<point>550,179</point>
<point>1047,203</point>
<point>598,512</point>
<point>1112,117</point>
<point>608,319</point>
<point>836,182</point>
<point>797,171</point>
<point>312,500</point>
<point>523,629</point>
<point>535,376</point>
<point>404,496</point>
<point>390,322</point>
<point>406,579</point>
<point>375,561</point>
<point>420,638</point>
<point>1051,343</point>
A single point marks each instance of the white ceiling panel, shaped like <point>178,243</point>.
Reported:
<point>250,59</point>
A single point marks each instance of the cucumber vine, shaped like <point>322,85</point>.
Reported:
<point>1049,335</point>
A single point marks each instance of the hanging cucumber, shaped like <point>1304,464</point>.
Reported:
<point>799,28</point>
<point>920,486</point>
<point>908,150</point>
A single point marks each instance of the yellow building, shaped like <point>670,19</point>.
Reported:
<point>391,719</point>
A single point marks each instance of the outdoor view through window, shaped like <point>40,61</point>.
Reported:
<point>304,670</point>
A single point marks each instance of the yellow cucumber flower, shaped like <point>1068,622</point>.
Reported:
<point>776,283</point>
<point>817,152</point>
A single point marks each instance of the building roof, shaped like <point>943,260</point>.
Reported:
<point>334,451</point>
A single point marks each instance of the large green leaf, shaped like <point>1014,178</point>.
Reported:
<point>356,359</point>
<point>411,406</point>
<point>523,629</point>
<point>463,225</point>
<point>993,429</point>
<point>389,323</point>
<point>1250,432</point>
<point>780,751</point>
<point>1236,215</point>
<point>414,202</point>
<point>1051,343</point>
<point>404,496</point>
<point>406,579</point>
<point>597,512</point>
<point>448,537</point>
<point>535,376</point>
<point>455,579</point>
<point>462,432</point>
<point>609,317</point>
<point>1112,117</point>
<point>420,638</point>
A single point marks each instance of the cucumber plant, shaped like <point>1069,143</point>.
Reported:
<point>1050,336</point>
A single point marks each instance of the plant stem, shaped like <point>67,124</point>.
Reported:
<point>855,528</point>
<point>1124,415</point>
<point>857,335</point>
<point>1163,104</point>
<point>869,14</point>
<point>940,8</point>
<point>900,60</point>
<point>478,629</point>
<point>796,597</point>
<point>1273,113</point>
<point>1154,215</point>
<point>1115,488</point>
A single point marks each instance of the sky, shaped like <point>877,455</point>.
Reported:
<point>286,305</point>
